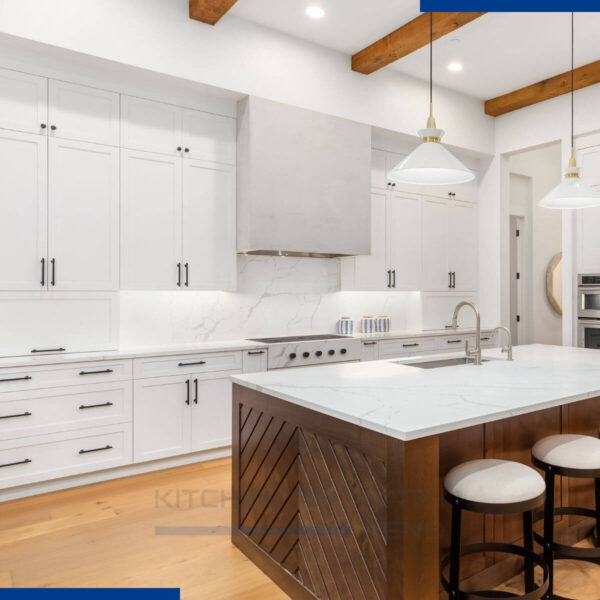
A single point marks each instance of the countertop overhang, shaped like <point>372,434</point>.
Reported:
<point>408,403</point>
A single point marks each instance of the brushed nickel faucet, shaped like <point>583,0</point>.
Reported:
<point>476,353</point>
<point>508,349</point>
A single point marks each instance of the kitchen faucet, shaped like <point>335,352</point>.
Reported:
<point>476,353</point>
<point>508,349</point>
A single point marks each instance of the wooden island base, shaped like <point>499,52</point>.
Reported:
<point>328,509</point>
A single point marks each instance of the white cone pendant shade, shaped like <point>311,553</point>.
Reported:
<point>571,192</point>
<point>431,163</point>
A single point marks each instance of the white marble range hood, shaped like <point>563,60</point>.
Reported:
<point>303,182</point>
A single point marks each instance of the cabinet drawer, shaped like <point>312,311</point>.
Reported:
<point>489,340</point>
<point>61,455</point>
<point>370,351</point>
<point>28,378</point>
<point>164,366</point>
<point>40,412</point>
<point>254,361</point>
<point>391,348</point>
<point>457,342</point>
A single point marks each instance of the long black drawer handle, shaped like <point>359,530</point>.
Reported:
<point>48,350</point>
<point>485,339</point>
<point>178,274</point>
<point>370,343</point>
<point>21,462</point>
<point>187,387</point>
<point>107,447</point>
<point>201,362</point>
<point>409,345</point>
<point>53,280</point>
<point>26,378</point>
<point>43,281</point>
<point>84,406</point>
<point>256,352</point>
<point>25,414</point>
<point>454,341</point>
<point>187,274</point>
<point>95,372</point>
<point>195,391</point>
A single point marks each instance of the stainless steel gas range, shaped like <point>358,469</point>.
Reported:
<point>310,350</point>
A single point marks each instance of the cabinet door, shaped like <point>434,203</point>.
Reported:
<point>209,137</point>
<point>162,417</point>
<point>370,271</point>
<point>589,218</point>
<point>150,221</point>
<point>404,241</point>
<point>83,216</point>
<point>23,206</point>
<point>211,412</point>
<point>435,245</point>
<point>23,102</point>
<point>78,112</point>
<point>462,245</point>
<point>151,126</point>
<point>209,226</point>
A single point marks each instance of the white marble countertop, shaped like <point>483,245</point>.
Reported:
<point>130,352</point>
<point>409,403</point>
<point>411,333</point>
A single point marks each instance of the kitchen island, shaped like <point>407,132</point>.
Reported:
<point>337,470</point>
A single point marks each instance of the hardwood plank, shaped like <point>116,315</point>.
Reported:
<point>544,90</point>
<point>408,38</point>
<point>209,11</point>
<point>253,442</point>
<point>313,570</point>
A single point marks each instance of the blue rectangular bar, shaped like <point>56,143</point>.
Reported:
<point>90,594</point>
<point>509,6</point>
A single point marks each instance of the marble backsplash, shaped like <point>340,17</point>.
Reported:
<point>276,296</point>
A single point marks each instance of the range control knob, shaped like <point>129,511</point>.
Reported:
<point>331,352</point>
<point>343,351</point>
<point>292,355</point>
<point>306,354</point>
<point>318,353</point>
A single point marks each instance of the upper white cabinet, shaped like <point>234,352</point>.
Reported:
<point>23,102</point>
<point>78,112</point>
<point>23,210</point>
<point>209,137</point>
<point>589,218</point>
<point>83,216</point>
<point>436,274</point>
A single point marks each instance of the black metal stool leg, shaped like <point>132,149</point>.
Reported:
<point>455,552</point>
<point>549,531</point>
<point>528,545</point>
<point>597,536</point>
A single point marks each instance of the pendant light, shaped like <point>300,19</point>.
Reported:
<point>431,163</point>
<point>571,192</point>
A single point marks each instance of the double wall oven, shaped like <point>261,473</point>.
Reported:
<point>588,310</point>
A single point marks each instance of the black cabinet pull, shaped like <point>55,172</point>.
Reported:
<point>178,274</point>
<point>389,274</point>
<point>369,343</point>
<point>21,462</point>
<point>86,406</point>
<point>454,341</point>
<point>25,414</point>
<point>450,279</point>
<point>43,125</point>
<point>485,339</point>
<point>187,385</point>
<point>53,127</point>
<point>53,263</point>
<point>36,350</point>
<point>95,372</point>
<point>16,379</point>
<point>43,281</point>
<point>107,447</point>
<point>256,352</point>
<point>453,279</point>
<point>187,274</point>
<point>394,278</point>
<point>179,148</point>
<point>409,345</point>
<point>200,362</point>
<point>195,391</point>
<point>187,150</point>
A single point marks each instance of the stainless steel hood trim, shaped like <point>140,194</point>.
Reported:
<point>291,253</point>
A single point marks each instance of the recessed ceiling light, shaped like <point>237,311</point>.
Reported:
<point>315,12</point>
<point>455,66</point>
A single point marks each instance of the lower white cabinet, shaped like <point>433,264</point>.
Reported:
<point>254,361</point>
<point>370,350</point>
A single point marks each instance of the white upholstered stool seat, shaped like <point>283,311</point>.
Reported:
<point>569,451</point>
<point>494,482</point>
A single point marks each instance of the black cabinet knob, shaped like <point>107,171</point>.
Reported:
<point>178,148</point>
<point>318,353</point>
<point>306,354</point>
<point>53,127</point>
<point>331,352</point>
<point>343,351</point>
<point>43,125</point>
<point>293,355</point>
<point>186,150</point>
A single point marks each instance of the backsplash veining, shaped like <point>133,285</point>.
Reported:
<point>276,296</point>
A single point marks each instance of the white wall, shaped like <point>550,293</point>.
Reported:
<point>239,56</point>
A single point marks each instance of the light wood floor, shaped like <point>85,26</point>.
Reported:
<point>105,535</point>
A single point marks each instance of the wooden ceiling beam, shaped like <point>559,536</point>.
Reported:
<point>544,90</point>
<point>209,11</point>
<point>407,39</point>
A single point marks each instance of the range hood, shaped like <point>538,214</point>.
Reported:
<point>303,184</point>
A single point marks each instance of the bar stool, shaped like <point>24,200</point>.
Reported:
<point>494,487</point>
<point>567,455</point>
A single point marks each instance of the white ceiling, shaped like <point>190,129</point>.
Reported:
<point>500,52</point>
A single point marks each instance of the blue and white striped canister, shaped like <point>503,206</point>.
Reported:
<point>345,326</point>
<point>367,325</point>
<point>383,323</point>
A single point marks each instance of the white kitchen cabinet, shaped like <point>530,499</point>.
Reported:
<point>254,361</point>
<point>151,221</point>
<point>211,410</point>
<point>83,216</point>
<point>369,350</point>
<point>162,417</point>
<point>209,232</point>
<point>151,126</point>
<point>79,112</point>
<point>23,205</point>
<point>462,245</point>
<point>23,102</point>
<point>436,274</point>
<point>589,218</point>
<point>209,137</point>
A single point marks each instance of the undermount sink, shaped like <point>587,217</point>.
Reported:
<point>443,362</point>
